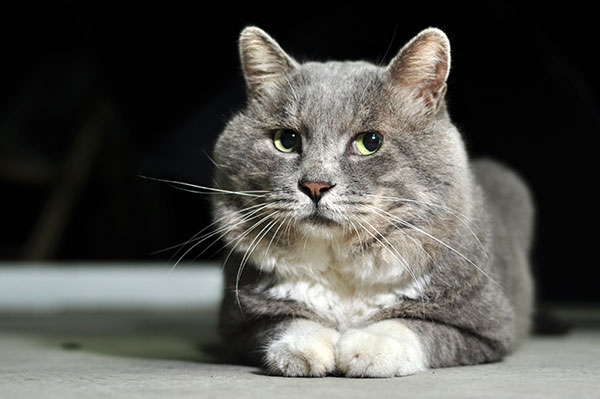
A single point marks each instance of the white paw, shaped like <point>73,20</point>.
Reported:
<point>385,349</point>
<point>305,349</point>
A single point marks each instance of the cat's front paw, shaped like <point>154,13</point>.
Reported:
<point>305,349</point>
<point>385,349</point>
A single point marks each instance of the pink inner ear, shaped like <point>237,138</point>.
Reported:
<point>263,60</point>
<point>422,67</point>
<point>433,93</point>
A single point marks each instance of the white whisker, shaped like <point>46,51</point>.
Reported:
<point>247,255</point>
<point>250,193</point>
<point>224,230</point>
<point>402,259</point>
<point>401,221</point>
<point>401,230</point>
<point>195,236</point>
<point>255,214</point>
<point>360,242</point>
<point>275,233</point>
<point>399,259</point>
<point>464,219</point>
<point>241,236</point>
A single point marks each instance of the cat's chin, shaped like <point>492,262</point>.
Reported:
<point>319,221</point>
<point>318,225</point>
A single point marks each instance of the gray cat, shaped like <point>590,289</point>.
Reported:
<point>362,240</point>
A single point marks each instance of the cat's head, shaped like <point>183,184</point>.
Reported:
<point>348,151</point>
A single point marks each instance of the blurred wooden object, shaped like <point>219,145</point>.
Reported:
<point>69,180</point>
<point>28,170</point>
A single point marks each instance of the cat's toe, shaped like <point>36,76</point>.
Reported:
<point>360,353</point>
<point>299,353</point>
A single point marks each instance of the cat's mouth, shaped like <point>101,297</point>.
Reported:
<point>318,219</point>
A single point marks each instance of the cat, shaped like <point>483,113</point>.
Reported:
<point>363,241</point>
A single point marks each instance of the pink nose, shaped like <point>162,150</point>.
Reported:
<point>314,189</point>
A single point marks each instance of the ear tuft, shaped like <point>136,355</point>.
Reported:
<point>423,65</point>
<point>263,61</point>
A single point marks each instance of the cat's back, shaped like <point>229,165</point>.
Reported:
<point>507,197</point>
<point>509,203</point>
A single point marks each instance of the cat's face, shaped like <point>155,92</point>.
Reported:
<point>344,150</point>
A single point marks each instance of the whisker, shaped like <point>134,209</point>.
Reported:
<point>241,193</point>
<point>255,215</point>
<point>224,230</point>
<point>288,228</point>
<point>250,193</point>
<point>400,229</point>
<point>436,205</point>
<point>275,233</point>
<point>464,219</point>
<point>241,236</point>
<point>193,238</point>
<point>411,272</point>
<point>402,261</point>
<point>360,242</point>
<point>247,255</point>
<point>238,240</point>
<point>212,160</point>
<point>401,221</point>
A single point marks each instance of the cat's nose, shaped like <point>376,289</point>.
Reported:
<point>314,189</point>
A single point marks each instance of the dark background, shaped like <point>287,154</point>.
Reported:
<point>93,95</point>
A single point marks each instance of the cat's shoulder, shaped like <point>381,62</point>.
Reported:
<point>499,180</point>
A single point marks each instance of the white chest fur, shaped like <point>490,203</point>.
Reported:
<point>344,309</point>
<point>345,290</point>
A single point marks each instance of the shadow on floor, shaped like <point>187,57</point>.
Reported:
<point>186,335</point>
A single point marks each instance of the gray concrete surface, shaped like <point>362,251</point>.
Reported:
<point>143,354</point>
<point>142,331</point>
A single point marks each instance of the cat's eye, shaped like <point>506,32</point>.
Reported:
<point>286,140</point>
<point>367,143</point>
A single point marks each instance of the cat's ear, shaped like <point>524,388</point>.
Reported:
<point>422,66</point>
<point>263,61</point>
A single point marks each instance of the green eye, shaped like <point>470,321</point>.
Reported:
<point>367,143</point>
<point>286,140</point>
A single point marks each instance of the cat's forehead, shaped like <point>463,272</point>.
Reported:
<point>338,76</point>
<point>336,93</point>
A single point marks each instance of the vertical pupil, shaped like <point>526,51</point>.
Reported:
<point>288,139</point>
<point>371,141</point>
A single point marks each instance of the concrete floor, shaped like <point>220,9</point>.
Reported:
<point>62,342</point>
<point>141,354</point>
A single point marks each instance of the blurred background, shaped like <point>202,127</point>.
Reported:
<point>94,94</point>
